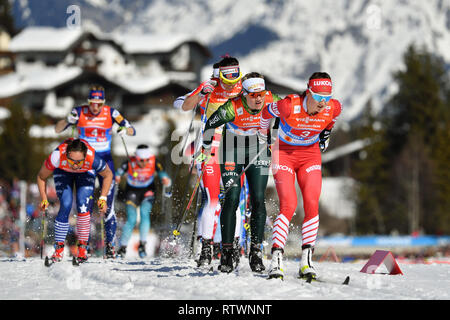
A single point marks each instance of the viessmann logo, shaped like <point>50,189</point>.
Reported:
<point>307,120</point>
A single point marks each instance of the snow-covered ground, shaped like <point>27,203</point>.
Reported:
<point>159,278</point>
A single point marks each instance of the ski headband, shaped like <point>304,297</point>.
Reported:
<point>320,85</point>
<point>143,153</point>
<point>97,95</point>
<point>254,85</point>
<point>215,73</point>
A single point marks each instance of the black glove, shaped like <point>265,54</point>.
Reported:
<point>324,139</point>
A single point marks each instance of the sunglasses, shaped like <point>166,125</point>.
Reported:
<point>257,94</point>
<point>96,102</point>
<point>230,75</point>
<point>320,97</point>
<point>75,162</point>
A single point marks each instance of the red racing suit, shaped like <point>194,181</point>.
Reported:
<point>297,157</point>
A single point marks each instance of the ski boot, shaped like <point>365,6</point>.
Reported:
<point>59,252</point>
<point>82,252</point>
<point>206,253</point>
<point>141,249</point>
<point>306,268</point>
<point>109,251</point>
<point>276,265</point>
<point>122,252</point>
<point>226,258</point>
<point>255,258</point>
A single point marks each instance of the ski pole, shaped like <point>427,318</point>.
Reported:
<point>125,146</point>
<point>177,171</point>
<point>189,130</point>
<point>135,174</point>
<point>102,232</point>
<point>187,135</point>
<point>176,232</point>
<point>197,210</point>
<point>44,217</point>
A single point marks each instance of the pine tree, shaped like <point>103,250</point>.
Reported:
<point>6,17</point>
<point>371,173</point>
<point>16,146</point>
<point>21,155</point>
<point>403,180</point>
<point>419,125</point>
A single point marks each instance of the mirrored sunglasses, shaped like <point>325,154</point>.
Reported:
<point>320,97</point>
<point>257,94</point>
<point>75,162</point>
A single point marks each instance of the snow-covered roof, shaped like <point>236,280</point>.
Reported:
<point>140,84</point>
<point>147,43</point>
<point>36,78</point>
<point>60,39</point>
<point>45,39</point>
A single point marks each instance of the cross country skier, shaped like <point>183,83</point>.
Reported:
<point>74,163</point>
<point>178,102</point>
<point>241,116</point>
<point>306,121</point>
<point>141,170</point>
<point>94,122</point>
<point>209,95</point>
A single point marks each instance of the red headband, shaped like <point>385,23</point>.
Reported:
<point>320,85</point>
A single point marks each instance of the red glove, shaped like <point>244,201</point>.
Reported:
<point>207,87</point>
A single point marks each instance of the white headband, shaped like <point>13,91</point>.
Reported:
<point>254,85</point>
<point>143,153</point>
<point>216,73</point>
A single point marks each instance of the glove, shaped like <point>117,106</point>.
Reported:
<point>262,137</point>
<point>207,87</point>
<point>122,131</point>
<point>72,118</point>
<point>101,203</point>
<point>204,155</point>
<point>44,205</point>
<point>324,139</point>
<point>167,191</point>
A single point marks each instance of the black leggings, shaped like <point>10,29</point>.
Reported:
<point>257,177</point>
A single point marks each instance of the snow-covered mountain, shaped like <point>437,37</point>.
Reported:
<point>359,42</point>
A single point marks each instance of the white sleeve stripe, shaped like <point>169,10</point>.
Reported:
<point>54,158</point>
